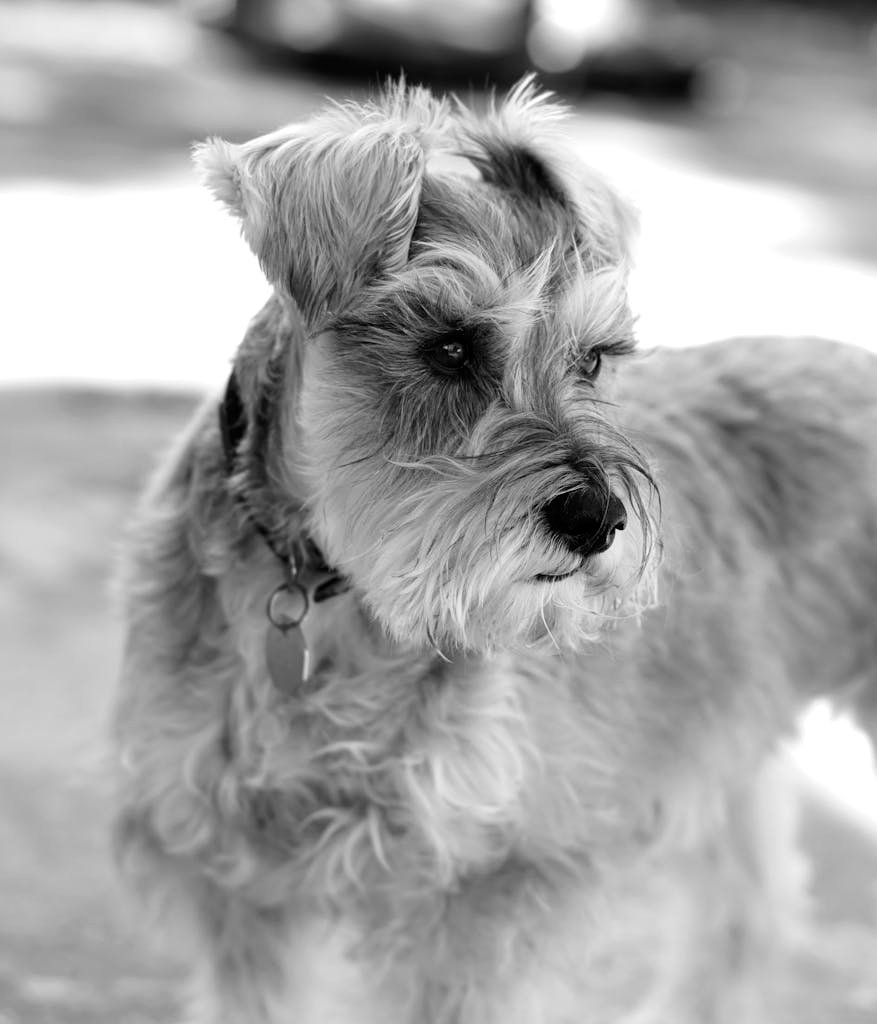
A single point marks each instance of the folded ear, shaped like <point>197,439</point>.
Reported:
<point>330,204</point>
<point>522,146</point>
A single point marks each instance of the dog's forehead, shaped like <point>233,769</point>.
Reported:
<point>507,229</point>
<point>482,252</point>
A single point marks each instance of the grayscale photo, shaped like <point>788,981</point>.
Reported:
<point>439,514</point>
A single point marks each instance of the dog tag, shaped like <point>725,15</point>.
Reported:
<point>287,657</point>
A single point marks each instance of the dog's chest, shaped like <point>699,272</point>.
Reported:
<point>435,771</point>
<point>409,764</point>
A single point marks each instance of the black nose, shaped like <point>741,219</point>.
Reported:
<point>586,519</point>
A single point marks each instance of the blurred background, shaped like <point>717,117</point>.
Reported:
<point>745,133</point>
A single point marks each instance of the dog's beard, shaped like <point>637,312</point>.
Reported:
<point>451,550</point>
<point>486,578</point>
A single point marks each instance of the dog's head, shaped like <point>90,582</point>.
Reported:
<point>445,413</point>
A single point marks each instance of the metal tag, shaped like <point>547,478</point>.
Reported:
<point>287,657</point>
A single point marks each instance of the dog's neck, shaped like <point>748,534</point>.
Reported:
<point>299,554</point>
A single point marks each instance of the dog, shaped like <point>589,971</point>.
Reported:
<point>460,633</point>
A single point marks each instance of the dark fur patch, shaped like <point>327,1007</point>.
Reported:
<point>516,169</point>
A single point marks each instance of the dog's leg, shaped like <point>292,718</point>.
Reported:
<point>682,939</point>
<point>242,976</point>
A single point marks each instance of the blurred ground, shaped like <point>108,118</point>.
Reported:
<point>760,214</point>
<point>68,950</point>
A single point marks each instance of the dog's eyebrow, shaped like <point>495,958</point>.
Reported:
<point>426,318</point>
<point>595,311</point>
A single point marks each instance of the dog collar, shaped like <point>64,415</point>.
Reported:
<point>308,579</point>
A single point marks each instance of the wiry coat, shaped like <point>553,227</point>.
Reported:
<point>502,796</point>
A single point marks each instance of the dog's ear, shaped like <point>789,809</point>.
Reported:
<point>521,146</point>
<point>330,204</point>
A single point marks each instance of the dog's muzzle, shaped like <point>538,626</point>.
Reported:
<point>585,520</point>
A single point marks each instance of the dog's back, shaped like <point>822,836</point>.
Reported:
<point>766,452</point>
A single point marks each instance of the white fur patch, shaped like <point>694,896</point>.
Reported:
<point>326,983</point>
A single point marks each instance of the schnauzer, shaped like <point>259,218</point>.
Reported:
<point>459,634</point>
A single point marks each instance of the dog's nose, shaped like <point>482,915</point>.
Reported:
<point>586,519</point>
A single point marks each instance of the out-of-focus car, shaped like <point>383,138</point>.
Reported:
<point>651,49</point>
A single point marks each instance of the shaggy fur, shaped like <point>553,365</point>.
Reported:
<point>524,784</point>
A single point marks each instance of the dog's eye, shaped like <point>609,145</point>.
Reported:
<point>589,365</point>
<point>452,351</point>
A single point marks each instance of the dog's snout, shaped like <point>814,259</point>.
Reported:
<point>585,519</point>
